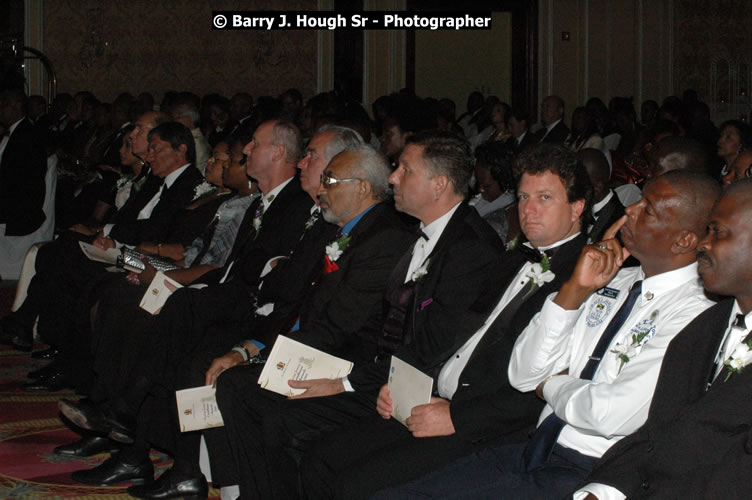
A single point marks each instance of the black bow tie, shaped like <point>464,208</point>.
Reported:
<point>534,255</point>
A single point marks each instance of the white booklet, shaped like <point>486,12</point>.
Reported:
<point>109,256</point>
<point>290,359</point>
<point>197,409</point>
<point>408,388</point>
<point>159,291</point>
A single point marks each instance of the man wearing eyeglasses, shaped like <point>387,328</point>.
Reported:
<point>429,297</point>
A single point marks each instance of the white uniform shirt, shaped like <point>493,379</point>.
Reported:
<point>615,403</point>
<point>730,340</point>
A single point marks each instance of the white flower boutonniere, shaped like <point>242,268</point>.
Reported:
<point>122,182</point>
<point>421,271</point>
<point>740,358</point>
<point>513,243</point>
<point>540,273</point>
<point>627,351</point>
<point>203,189</point>
<point>334,249</point>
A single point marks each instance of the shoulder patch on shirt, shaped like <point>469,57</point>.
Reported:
<point>599,310</point>
<point>609,292</point>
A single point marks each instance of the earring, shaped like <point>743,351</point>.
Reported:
<point>436,196</point>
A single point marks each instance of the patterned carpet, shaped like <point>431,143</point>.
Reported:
<point>30,429</point>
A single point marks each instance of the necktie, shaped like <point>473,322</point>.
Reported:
<point>543,440</point>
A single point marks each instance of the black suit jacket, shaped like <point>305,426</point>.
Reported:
<point>22,187</point>
<point>609,214</point>
<point>485,406</point>
<point>695,443</point>
<point>128,229</point>
<point>440,320</point>
<point>530,139</point>
<point>281,228</point>
<point>344,313</point>
<point>557,135</point>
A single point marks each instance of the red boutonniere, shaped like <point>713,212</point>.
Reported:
<point>329,266</point>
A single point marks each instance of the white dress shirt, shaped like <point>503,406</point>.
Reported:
<point>615,403</point>
<point>450,373</point>
<point>549,128</point>
<point>422,248</point>
<point>730,340</point>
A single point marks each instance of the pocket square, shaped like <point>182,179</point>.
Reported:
<point>425,304</point>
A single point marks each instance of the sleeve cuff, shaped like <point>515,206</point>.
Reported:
<point>602,491</point>
<point>348,385</point>
<point>553,312</point>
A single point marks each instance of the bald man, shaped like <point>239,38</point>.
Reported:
<point>678,153</point>
<point>696,441</point>
<point>739,169</point>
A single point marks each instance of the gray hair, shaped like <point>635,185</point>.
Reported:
<point>287,135</point>
<point>344,138</point>
<point>189,110</point>
<point>373,167</point>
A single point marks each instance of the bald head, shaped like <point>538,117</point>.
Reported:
<point>597,169</point>
<point>679,153</point>
<point>697,193</point>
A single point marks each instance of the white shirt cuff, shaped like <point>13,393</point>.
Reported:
<point>602,491</point>
<point>107,228</point>
<point>347,384</point>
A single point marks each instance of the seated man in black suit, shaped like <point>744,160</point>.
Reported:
<point>696,441</point>
<point>23,166</point>
<point>135,350</point>
<point>552,113</point>
<point>377,451</point>
<point>607,207</point>
<point>594,352</point>
<point>429,293</point>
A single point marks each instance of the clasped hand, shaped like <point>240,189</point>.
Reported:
<point>429,420</point>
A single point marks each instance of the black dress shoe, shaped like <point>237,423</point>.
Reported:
<point>53,383</point>
<point>49,353</point>
<point>45,372</point>
<point>99,418</point>
<point>87,447</point>
<point>165,487</point>
<point>113,471</point>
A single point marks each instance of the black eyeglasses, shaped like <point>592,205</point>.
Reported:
<point>327,180</point>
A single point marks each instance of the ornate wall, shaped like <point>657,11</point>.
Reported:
<point>714,53</point>
<point>142,45</point>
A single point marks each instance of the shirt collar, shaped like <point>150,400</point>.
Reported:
<point>351,223</point>
<point>550,127</point>
<point>269,197</point>
<point>172,177</point>
<point>597,207</point>
<point>554,245</point>
<point>665,282</point>
<point>504,200</point>
<point>13,127</point>
<point>435,228</point>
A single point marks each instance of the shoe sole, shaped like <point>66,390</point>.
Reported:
<point>136,481</point>
<point>78,418</point>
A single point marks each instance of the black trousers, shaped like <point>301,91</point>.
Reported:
<point>269,434</point>
<point>372,454</point>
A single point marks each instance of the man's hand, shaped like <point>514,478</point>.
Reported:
<point>232,358</point>
<point>147,248</point>
<point>317,387</point>
<point>384,403</point>
<point>433,419</point>
<point>597,265</point>
<point>590,496</point>
<point>83,229</point>
<point>147,275</point>
<point>103,242</point>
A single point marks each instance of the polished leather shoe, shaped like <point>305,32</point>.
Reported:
<point>165,487</point>
<point>99,418</point>
<point>45,372</point>
<point>87,446</point>
<point>113,471</point>
<point>49,353</point>
<point>53,383</point>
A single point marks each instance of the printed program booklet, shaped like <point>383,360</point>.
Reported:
<point>160,289</point>
<point>408,388</point>
<point>197,409</point>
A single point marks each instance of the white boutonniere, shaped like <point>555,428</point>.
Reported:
<point>540,273</point>
<point>122,182</point>
<point>739,359</point>
<point>421,271</point>
<point>334,249</point>
<point>203,189</point>
<point>626,352</point>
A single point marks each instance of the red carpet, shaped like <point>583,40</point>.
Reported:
<point>30,429</point>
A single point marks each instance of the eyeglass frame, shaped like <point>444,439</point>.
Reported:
<point>333,181</point>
